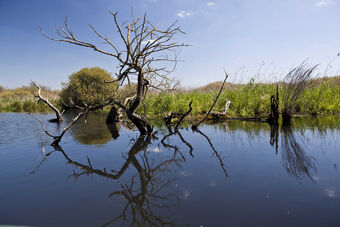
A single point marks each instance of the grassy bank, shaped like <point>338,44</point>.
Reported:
<point>22,99</point>
<point>249,100</point>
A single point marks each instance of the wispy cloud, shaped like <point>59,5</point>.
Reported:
<point>148,41</point>
<point>155,149</point>
<point>323,3</point>
<point>330,192</point>
<point>209,4</point>
<point>184,13</point>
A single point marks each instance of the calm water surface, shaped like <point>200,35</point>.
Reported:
<point>226,174</point>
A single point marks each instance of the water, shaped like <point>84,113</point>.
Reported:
<point>227,174</point>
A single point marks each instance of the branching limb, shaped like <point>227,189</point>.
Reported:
<point>145,48</point>
<point>182,117</point>
<point>59,118</point>
<point>219,93</point>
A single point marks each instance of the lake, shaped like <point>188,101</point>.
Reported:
<point>226,174</point>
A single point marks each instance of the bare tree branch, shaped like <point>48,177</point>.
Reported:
<point>218,95</point>
<point>182,117</point>
<point>145,48</point>
<point>59,118</point>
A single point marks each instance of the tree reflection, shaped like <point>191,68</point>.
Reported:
<point>114,129</point>
<point>147,191</point>
<point>93,131</point>
<point>214,150</point>
<point>194,129</point>
<point>274,136</point>
<point>296,161</point>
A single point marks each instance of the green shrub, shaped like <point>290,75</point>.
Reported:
<point>87,86</point>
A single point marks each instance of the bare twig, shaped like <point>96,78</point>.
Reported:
<point>182,117</point>
<point>59,118</point>
<point>218,95</point>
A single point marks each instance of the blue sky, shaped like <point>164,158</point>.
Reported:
<point>249,38</point>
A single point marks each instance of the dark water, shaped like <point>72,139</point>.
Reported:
<point>227,174</point>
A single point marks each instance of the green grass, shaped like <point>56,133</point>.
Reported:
<point>22,99</point>
<point>25,106</point>
<point>251,100</point>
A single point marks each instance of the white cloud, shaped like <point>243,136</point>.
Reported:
<point>184,13</point>
<point>148,41</point>
<point>186,194</point>
<point>155,149</point>
<point>330,192</point>
<point>185,173</point>
<point>210,4</point>
<point>323,3</point>
<point>316,178</point>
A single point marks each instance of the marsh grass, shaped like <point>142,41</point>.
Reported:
<point>294,85</point>
<point>250,100</point>
<point>22,99</point>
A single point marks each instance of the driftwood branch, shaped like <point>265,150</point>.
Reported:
<point>58,118</point>
<point>218,95</point>
<point>176,131</point>
<point>182,117</point>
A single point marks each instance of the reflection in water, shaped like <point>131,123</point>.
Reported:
<point>151,188</point>
<point>114,129</point>
<point>147,190</point>
<point>274,136</point>
<point>214,150</point>
<point>93,131</point>
<point>143,198</point>
<point>171,132</point>
<point>296,161</point>
<point>176,150</point>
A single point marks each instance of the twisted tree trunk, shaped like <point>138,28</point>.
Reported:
<point>141,123</point>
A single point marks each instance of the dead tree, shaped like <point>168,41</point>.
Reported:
<point>148,56</point>
<point>273,118</point>
<point>58,114</point>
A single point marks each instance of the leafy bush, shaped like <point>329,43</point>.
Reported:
<point>87,87</point>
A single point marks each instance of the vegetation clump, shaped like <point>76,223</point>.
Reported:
<point>248,100</point>
<point>294,85</point>
<point>87,87</point>
<point>22,99</point>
